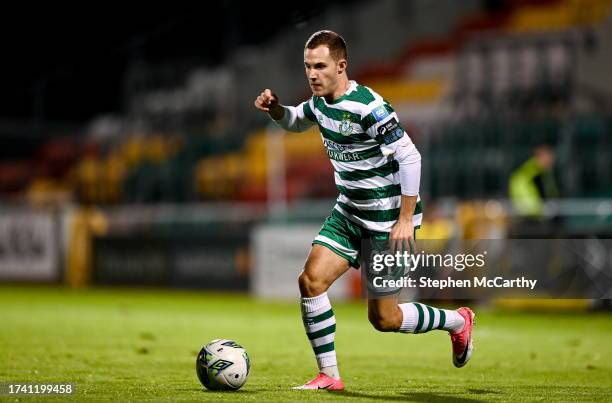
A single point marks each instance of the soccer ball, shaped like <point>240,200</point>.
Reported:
<point>223,365</point>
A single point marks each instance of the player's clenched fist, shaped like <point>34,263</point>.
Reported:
<point>266,100</point>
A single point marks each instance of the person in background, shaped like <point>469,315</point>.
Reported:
<point>533,183</point>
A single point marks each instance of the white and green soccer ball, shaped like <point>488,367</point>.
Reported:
<point>223,364</point>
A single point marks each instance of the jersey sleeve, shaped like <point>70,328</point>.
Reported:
<point>381,123</point>
<point>297,118</point>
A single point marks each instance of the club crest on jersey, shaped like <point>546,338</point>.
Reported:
<point>346,127</point>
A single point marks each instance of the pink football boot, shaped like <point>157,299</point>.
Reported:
<point>462,340</point>
<point>322,381</point>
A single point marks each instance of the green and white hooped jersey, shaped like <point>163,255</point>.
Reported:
<point>356,130</point>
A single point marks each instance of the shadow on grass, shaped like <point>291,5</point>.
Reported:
<point>211,393</point>
<point>414,396</point>
<point>484,392</point>
<point>400,396</point>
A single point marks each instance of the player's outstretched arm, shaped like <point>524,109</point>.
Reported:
<point>290,118</point>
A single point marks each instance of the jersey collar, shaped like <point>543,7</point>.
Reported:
<point>352,87</point>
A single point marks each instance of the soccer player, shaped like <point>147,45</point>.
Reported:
<point>377,171</point>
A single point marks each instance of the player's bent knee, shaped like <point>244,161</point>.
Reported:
<point>383,323</point>
<point>311,286</point>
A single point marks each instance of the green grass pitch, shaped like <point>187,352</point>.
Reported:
<point>138,345</point>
